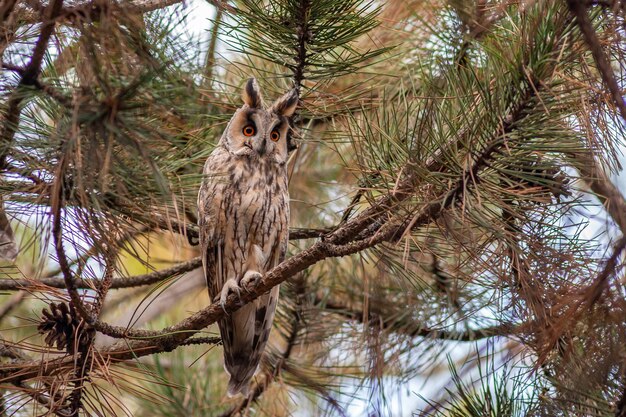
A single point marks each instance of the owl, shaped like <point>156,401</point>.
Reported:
<point>243,218</point>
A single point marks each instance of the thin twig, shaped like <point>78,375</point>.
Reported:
<point>579,9</point>
<point>116,283</point>
<point>44,400</point>
<point>303,40</point>
<point>28,78</point>
<point>216,340</point>
<point>600,283</point>
<point>14,301</point>
<point>93,11</point>
<point>416,329</point>
<point>86,337</point>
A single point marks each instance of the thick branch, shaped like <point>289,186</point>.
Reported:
<point>150,342</point>
<point>172,336</point>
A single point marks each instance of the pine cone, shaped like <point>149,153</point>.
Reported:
<point>61,325</point>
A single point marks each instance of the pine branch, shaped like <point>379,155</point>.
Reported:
<point>579,9</point>
<point>28,78</point>
<point>303,34</point>
<point>603,188</point>
<point>303,233</point>
<point>93,11</point>
<point>388,322</point>
<point>116,283</point>
<point>147,342</point>
<point>170,337</point>
<point>202,341</point>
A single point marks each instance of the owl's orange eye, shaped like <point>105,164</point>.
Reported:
<point>249,130</point>
<point>274,135</point>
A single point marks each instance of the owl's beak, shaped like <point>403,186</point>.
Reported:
<point>260,146</point>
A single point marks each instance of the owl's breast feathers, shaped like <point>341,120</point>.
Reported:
<point>245,199</point>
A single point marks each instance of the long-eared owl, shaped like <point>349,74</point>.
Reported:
<point>243,215</point>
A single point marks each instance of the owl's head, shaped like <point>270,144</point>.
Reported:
<point>258,131</point>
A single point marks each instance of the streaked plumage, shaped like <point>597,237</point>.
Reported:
<point>243,211</point>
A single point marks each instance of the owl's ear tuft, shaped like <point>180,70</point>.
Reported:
<point>286,105</point>
<point>252,94</point>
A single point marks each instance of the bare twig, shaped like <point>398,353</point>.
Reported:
<point>602,187</point>
<point>202,341</point>
<point>93,11</point>
<point>579,9</point>
<point>116,283</point>
<point>600,283</point>
<point>416,329</point>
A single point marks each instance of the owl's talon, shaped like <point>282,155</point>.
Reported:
<point>229,286</point>
<point>250,279</point>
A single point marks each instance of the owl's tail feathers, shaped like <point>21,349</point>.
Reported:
<point>236,386</point>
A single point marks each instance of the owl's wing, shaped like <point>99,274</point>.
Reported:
<point>211,222</point>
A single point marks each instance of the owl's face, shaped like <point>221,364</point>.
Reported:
<point>259,132</point>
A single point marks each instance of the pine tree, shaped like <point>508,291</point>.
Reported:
<point>457,230</point>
